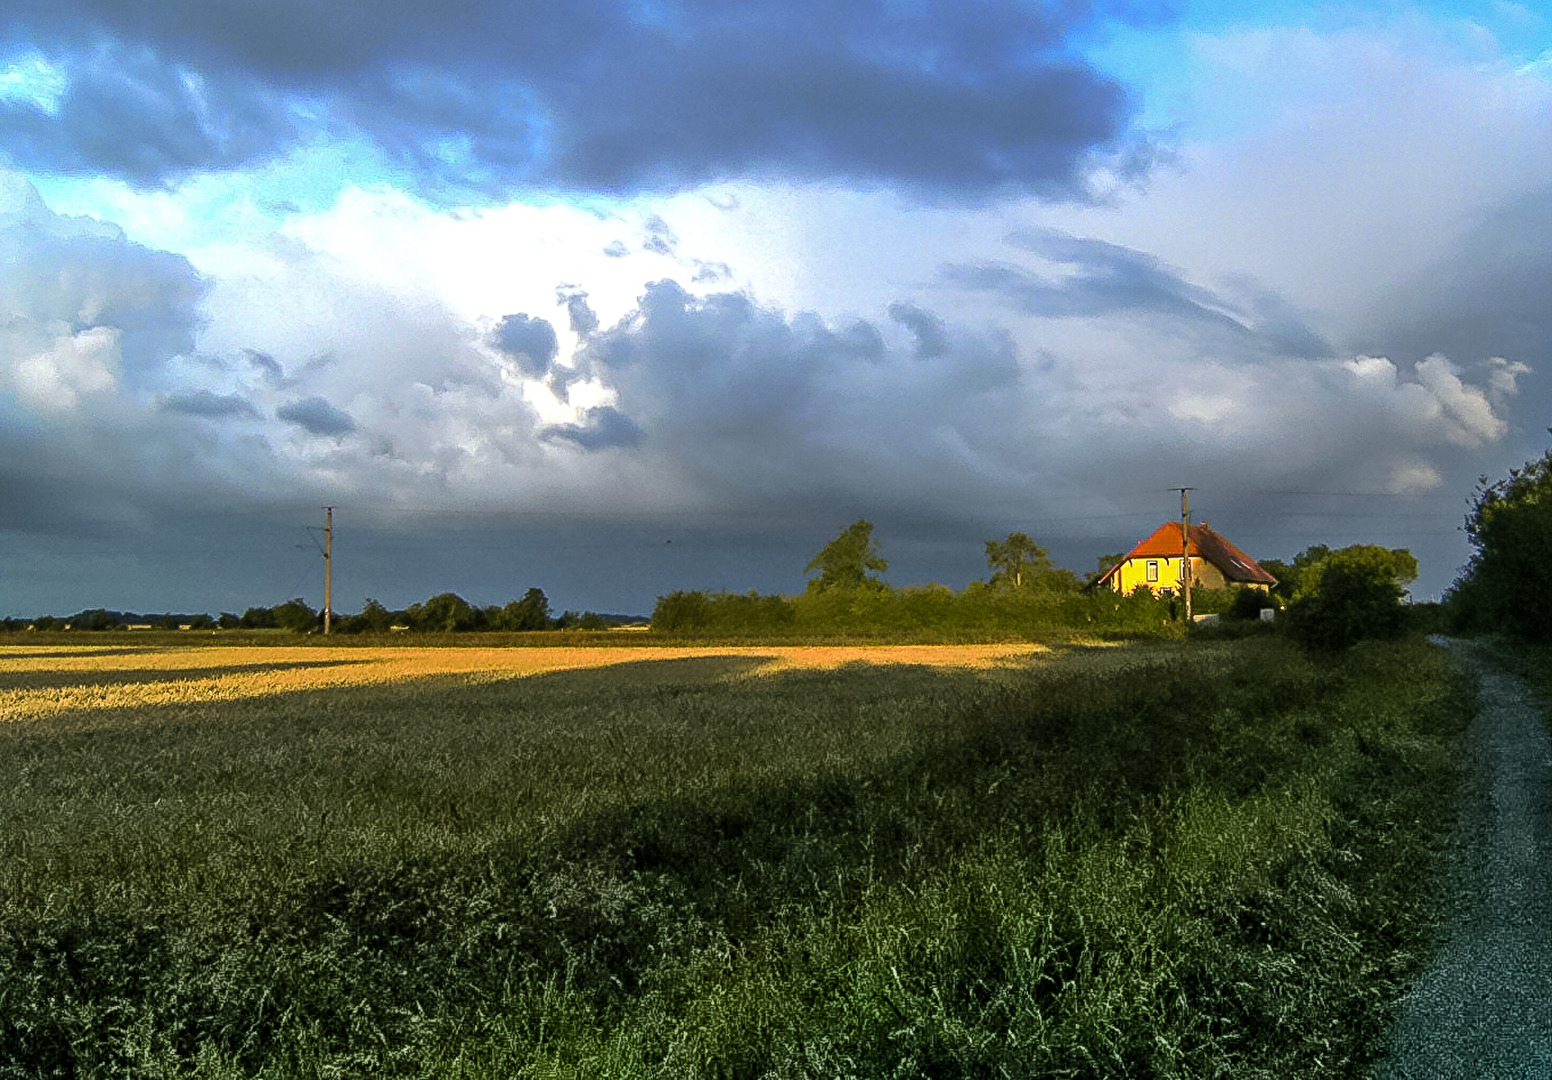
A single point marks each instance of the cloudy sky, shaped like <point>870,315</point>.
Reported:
<point>614,297</point>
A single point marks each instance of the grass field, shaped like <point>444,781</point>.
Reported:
<point>1183,859</point>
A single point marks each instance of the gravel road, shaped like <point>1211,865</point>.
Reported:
<point>1484,1009</point>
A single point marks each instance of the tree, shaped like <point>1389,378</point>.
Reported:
<point>1508,582</point>
<point>444,613</point>
<point>532,612</point>
<point>681,610</point>
<point>259,618</point>
<point>1017,562</point>
<point>1102,566</point>
<point>846,561</point>
<point>373,618</point>
<point>1351,594</point>
<point>1289,575</point>
<point>96,619</point>
<point>294,615</point>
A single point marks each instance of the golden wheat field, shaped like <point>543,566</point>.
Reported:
<point>41,681</point>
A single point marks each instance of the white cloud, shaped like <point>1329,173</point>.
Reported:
<point>1467,414</point>
<point>55,379</point>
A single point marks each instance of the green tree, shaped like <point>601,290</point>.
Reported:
<point>1508,582</point>
<point>1102,564</point>
<point>532,612</point>
<point>96,619</point>
<point>1017,562</point>
<point>296,616</point>
<point>681,610</point>
<point>847,561</point>
<point>1290,575</point>
<point>444,613</point>
<point>259,618</point>
<point>1351,594</point>
<point>373,618</point>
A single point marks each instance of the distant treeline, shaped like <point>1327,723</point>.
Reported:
<point>1024,591</point>
<point>442,614</point>
<point>1333,598</point>
<point>978,609</point>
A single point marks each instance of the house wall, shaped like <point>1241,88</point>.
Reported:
<point>1207,576</point>
<point>1134,572</point>
<point>1204,575</point>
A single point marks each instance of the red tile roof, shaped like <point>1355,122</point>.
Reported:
<point>1207,544</point>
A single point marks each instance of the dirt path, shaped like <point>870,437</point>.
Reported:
<point>1484,1009</point>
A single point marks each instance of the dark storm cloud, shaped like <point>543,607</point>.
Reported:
<point>602,428</point>
<point>269,369</point>
<point>1486,304</point>
<point>927,328</point>
<point>963,100</point>
<point>528,342</point>
<point>756,406</point>
<point>1488,297</point>
<point>129,113</point>
<point>1104,280</point>
<point>317,417</point>
<point>209,405</point>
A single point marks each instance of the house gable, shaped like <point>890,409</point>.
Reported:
<point>1156,562</point>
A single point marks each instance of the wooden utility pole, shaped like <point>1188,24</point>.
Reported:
<point>1185,548</point>
<point>328,566</point>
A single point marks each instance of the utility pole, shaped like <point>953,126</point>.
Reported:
<point>1185,548</point>
<point>328,567</point>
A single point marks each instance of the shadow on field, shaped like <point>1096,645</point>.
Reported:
<point>10,652</point>
<point>57,679</point>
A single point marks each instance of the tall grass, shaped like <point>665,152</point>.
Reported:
<point>1144,861</point>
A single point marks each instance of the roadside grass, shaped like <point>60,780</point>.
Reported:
<point>1531,662</point>
<point>1171,860</point>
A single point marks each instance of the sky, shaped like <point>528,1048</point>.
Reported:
<point>617,297</point>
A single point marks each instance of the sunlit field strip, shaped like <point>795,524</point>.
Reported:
<point>316,668</point>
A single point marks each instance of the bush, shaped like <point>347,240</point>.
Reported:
<point>681,611</point>
<point>1351,595</point>
<point>1507,583</point>
<point>1248,604</point>
<point>296,616</point>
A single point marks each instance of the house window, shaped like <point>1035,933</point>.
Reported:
<point>1153,570</point>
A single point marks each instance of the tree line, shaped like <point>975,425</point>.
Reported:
<point>847,593</point>
<point>444,613</point>
<point>1331,598</point>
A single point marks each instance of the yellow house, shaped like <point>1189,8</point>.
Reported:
<point>1156,563</point>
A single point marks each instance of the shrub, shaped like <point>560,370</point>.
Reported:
<point>1350,595</point>
<point>1506,584</point>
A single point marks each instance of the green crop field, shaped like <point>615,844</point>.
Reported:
<point>1154,860</point>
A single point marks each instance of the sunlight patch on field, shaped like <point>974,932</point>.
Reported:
<point>40,681</point>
